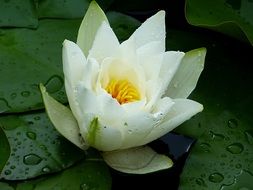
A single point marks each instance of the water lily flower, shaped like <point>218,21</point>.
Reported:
<point>124,95</point>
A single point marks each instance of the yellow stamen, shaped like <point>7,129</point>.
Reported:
<point>123,91</point>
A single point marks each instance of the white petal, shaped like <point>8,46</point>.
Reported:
<point>90,74</point>
<point>87,100</point>
<point>92,20</point>
<point>170,64</point>
<point>137,125</point>
<point>105,43</point>
<point>73,62</point>
<point>128,52</point>
<point>187,75</point>
<point>139,160</point>
<point>153,29</point>
<point>102,137</point>
<point>111,111</point>
<point>62,118</point>
<point>162,107</point>
<point>150,58</point>
<point>101,105</point>
<point>153,89</point>
<point>73,67</point>
<point>182,110</point>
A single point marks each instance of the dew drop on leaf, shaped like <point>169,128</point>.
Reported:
<point>32,159</point>
<point>13,95</point>
<point>216,136</point>
<point>25,93</point>
<point>232,123</point>
<point>37,118</point>
<point>205,147</point>
<point>4,106</point>
<point>216,177</point>
<point>31,135</point>
<point>235,148</point>
<point>46,170</point>
<point>84,187</point>
<point>7,172</point>
<point>200,182</point>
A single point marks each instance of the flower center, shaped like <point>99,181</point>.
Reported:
<point>123,91</point>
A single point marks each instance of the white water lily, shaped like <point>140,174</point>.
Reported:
<point>124,95</point>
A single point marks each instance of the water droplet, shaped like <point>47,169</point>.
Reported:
<point>238,166</point>
<point>43,147</point>
<point>235,148</point>
<point>32,159</point>
<point>31,135</point>
<point>54,84</point>
<point>84,187</point>
<point>205,146</point>
<point>249,136</point>
<point>175,85</point>
<point>4,106</point>
<point>7,172</point>
<point>216,177</point>
<point>25,93</point>
<point>13,167</point>
<point>46,169</point>
<point>216,136</point>
<point>200,182</point>
<point>242,181</point>
<point>232,123</point>
<point>13,95</point>
<point>37,118</point>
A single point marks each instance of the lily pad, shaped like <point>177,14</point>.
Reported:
<point>29,57</point>
<point>18,13</point>
<point>223,153</point>
<point>4,149</point>
<point>81,176</point>
<point>36,147</point>
<point>66,8</point>
<point>231,17</point>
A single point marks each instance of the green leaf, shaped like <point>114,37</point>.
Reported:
<point>36,147</point>
<point>62,119</point>
<point>92,20</point>
<point>84,175</point>
<point>4,149</point>
<point>66,8</point>
<point>37,54</point>
<point>122,25</point>
<point>139,160</point>
<point>18,13</point>
<point>62,8</point>
<point>187,75</point>
<point>223,154</point>
<point>232,17</point>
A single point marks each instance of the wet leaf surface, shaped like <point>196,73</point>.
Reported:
<point>232,17</point>
<point>36,147</point>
